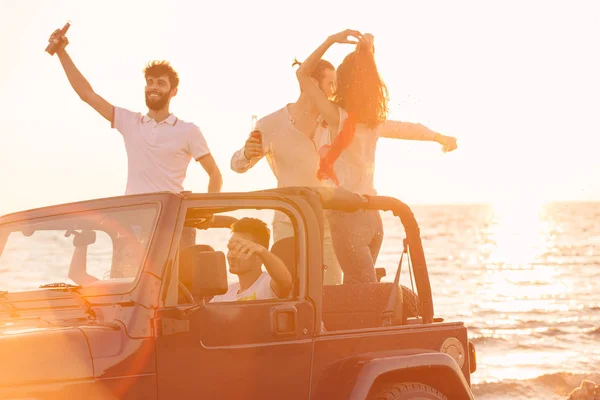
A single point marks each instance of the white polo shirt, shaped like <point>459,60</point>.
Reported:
<point>158,154</point>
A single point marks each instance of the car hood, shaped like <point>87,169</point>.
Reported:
<point>34,351</point>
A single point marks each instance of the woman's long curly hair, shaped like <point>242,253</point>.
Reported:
<point>360,90</point>
<point>363,95</point>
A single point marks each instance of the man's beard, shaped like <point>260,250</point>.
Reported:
<point>157,104</point>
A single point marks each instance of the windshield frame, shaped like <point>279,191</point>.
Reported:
<point>72,210</point>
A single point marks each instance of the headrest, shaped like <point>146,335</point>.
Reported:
<point>197,248</point>
<point>286,250</point>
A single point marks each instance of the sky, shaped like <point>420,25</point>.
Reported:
<point>516,82</point>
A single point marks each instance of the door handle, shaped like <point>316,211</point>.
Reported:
<point>284,320</point>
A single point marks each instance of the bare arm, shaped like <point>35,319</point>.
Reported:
<point>77,269</point>
<point>328,110</point>
<point>412,131</point>
<point>406,131</point>
<point>215,179</point>
<point>281,279</point>
<point>83,88</point>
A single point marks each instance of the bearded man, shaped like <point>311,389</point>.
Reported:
<point>159,145</point>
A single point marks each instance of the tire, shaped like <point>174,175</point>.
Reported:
<point>406,391</point>
<point>411,306</point>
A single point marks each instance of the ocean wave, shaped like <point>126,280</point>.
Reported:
<point>594,332</point>
<point>551,338</point>
<point>487,340</point>
<point>487,312</point>
<point>553,331</point>
<point>491,344</point>
<point>543,328</point>
<point>549,386</point>
<point>530,323</point>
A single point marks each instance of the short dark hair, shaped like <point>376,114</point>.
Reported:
<point>257,229</point>
<point>159,68</point>
<point>320,68</point>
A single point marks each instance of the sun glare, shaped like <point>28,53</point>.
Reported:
<point>518,231</point>
<point>519,235</point>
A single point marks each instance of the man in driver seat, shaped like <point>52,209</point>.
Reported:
<point>248,251</point>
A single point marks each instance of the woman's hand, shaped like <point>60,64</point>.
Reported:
<point>342,37</point>
<point>367,42</point>
<point>448,142</point>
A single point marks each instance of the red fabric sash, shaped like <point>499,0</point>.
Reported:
<point>330,153</point>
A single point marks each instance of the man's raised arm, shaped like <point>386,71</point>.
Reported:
<point>81,86</point>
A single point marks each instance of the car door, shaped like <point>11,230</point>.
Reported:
<point>236,350</point>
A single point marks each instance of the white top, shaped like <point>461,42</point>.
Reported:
<point>292,155</point>
<point>260,290</point>
<point>355,168</point>
<point>158,154</point>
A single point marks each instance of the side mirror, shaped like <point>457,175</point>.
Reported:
<point>203,273</point>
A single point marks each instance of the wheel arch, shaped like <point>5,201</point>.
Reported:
<point>437,370</point>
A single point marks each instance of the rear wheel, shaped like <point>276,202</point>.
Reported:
<point>406,391</point>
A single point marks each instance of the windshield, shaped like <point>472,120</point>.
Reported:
<point>85,248</point>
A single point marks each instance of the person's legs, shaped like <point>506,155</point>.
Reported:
<point>377,224</point>
<point>352,235</point>
<point>333,271</point>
